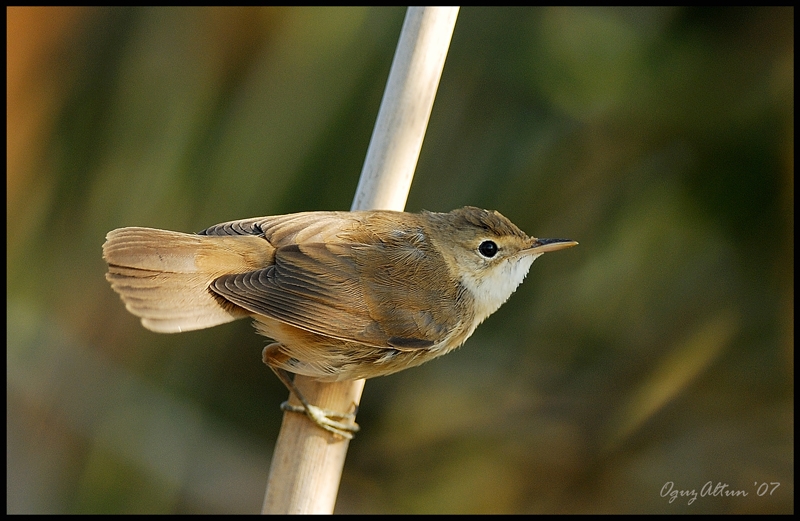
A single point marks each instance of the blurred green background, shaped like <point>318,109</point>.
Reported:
<point>656,356</point>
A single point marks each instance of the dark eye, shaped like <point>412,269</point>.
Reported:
<point>488,249</point>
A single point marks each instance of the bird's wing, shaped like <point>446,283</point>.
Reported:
<point>332,278</point>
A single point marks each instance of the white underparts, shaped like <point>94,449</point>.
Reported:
<point>492,286</point>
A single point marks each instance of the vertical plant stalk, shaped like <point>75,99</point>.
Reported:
<point>307,463</point>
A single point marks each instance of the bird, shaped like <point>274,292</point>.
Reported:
<point>343,295</point>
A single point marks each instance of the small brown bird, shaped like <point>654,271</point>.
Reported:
<point>345,295</point>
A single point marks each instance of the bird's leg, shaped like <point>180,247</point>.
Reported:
<point>328,420</point>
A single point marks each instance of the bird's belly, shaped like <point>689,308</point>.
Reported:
<point>332,359</point>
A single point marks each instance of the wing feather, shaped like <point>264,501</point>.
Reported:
<point>347,284</point>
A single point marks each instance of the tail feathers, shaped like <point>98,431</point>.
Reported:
<point>163,277</point>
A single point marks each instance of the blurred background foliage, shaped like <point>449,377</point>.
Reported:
<point>659,351</point>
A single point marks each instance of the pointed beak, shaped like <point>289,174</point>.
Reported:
<point>545,245</point>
